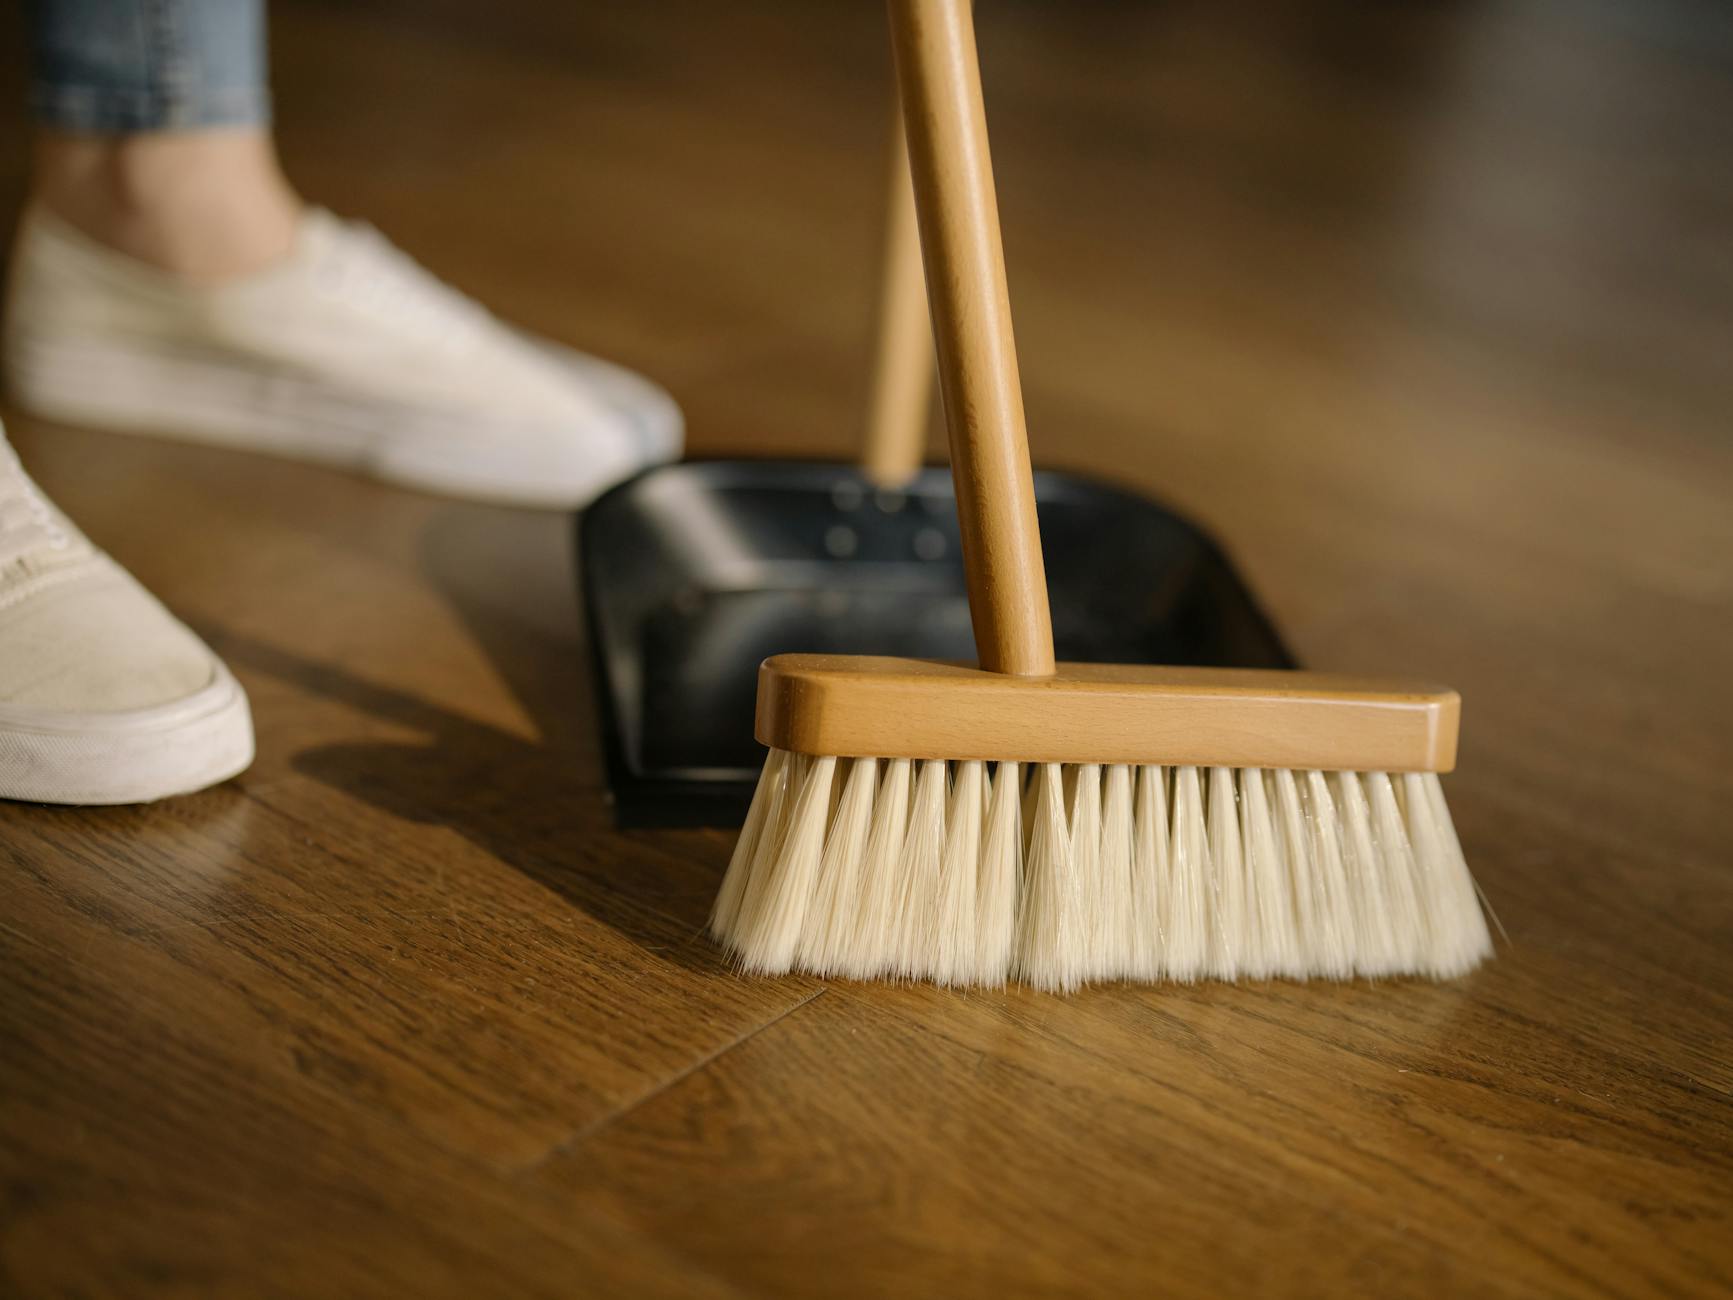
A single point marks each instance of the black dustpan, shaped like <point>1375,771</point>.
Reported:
<point>695,573</point>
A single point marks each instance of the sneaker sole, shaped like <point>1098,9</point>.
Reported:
<point>133,757</point>
<point>189,397</point>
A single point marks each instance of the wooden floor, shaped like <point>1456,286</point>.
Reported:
<point>1427,311</point>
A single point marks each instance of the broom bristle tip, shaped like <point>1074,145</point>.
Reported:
<point>923,869</point>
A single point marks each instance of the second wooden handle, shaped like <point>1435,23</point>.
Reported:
<point>940,82</point>
<point>896,429</point>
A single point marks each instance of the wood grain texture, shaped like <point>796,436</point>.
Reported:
<point>944,120</point>
<point>1430,330</point>
<point>862,706</point>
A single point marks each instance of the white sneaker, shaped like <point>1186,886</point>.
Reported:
<point>104,696</point>
<point>346,352</point>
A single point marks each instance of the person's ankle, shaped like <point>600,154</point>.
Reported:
<point>205,205</point>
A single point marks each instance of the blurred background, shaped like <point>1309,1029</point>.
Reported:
<point>1425,310</point>
<point>1419,307</point>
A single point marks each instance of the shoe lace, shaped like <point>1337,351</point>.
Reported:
<point>28,525</point>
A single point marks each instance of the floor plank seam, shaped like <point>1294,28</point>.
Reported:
<point>587,1131</point>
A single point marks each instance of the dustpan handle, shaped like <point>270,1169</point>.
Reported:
<point>946,124</point>
<point>902,387</point>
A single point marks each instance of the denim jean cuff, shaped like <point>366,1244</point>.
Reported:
<point>110,110</point>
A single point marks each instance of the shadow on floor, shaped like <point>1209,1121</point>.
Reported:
<point>538,805</point>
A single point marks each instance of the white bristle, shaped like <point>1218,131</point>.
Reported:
<point>1458,938</point>
<point>1185,893</point>
<point>1296,853</point>
<point>1325,923</point>
<point>931,870</point>
<point>1149,872</point>
<point>829,926</point>
<point>869,947</point>
<point>726,910</point>
<point>915,940</point>
<point>1087,885</point>
<point>769,931</point>
<point>1387,915</point>
<point>953,957</point>
<point>1031,790</point>
<point>1269,894</point>
<point>1324,827</point>
<point>767,844</point>
<point>1336,948</point>
<point>1231,935</point>
<point>1051,953</point>
<point>1396,861</point>
<point>1001,878</point>
<point>1118,957</point>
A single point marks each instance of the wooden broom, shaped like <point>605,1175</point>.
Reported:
<point>1060,823</point>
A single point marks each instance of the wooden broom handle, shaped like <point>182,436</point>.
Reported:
<point>896,427</point>
<point>940,82</point>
